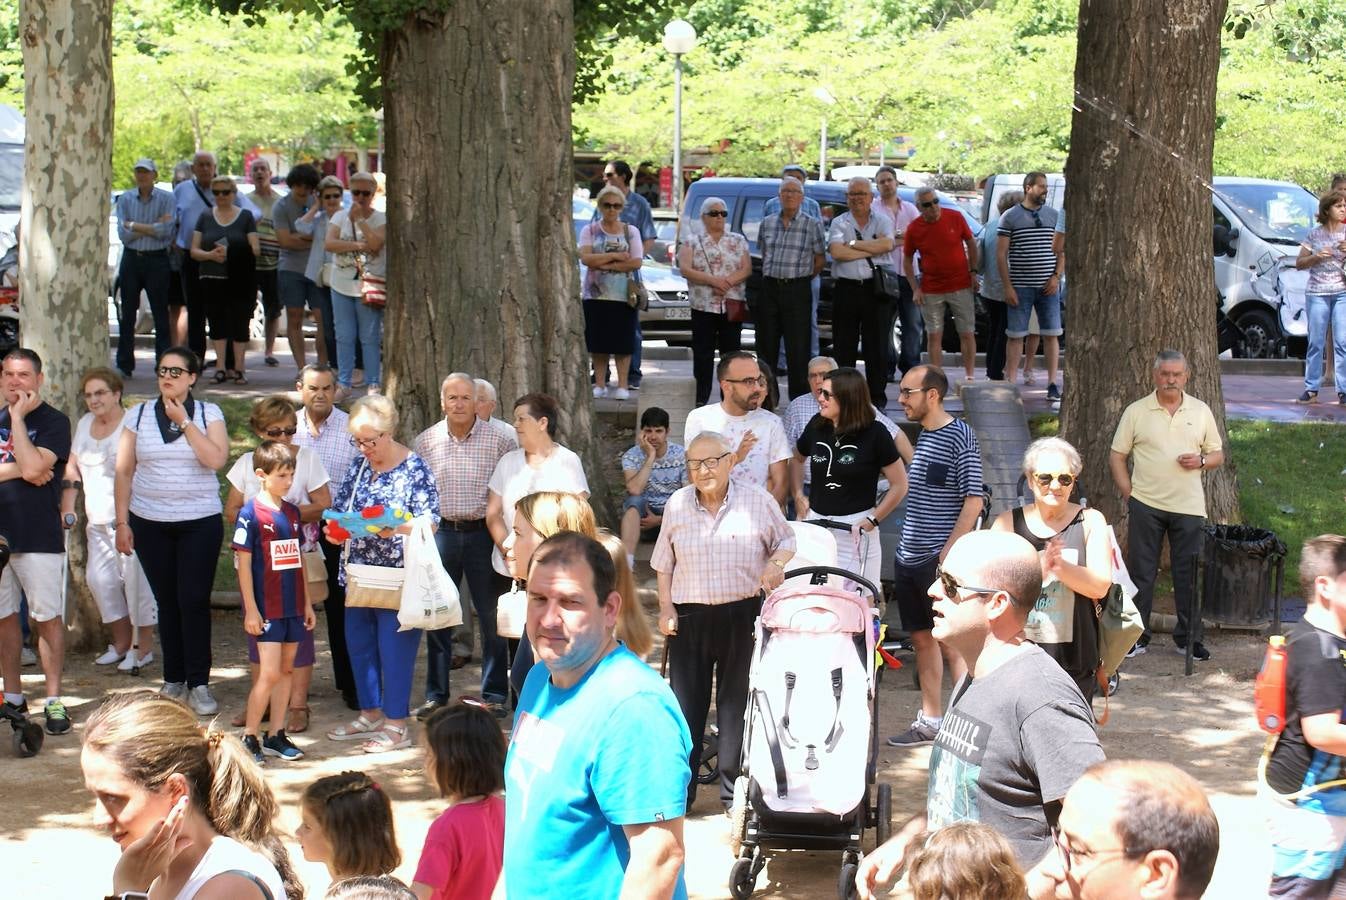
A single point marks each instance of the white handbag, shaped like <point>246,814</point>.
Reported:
<point>511,613</point>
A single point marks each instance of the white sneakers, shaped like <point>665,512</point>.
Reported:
<point>110,655</point>
<point>202,701</point>
<point>616,393</point>
<point>131,660</point>
<point>600,392</point>
<point>620,394</point>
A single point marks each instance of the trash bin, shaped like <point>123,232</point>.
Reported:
<point>1238,564</point>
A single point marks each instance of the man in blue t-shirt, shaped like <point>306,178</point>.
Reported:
<point>597,773</point>
<point>653,470</point>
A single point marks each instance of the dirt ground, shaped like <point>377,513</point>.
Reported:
<point>1203,724</point>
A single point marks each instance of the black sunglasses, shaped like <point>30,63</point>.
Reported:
<point>222,193</point>
<point>362,193</point>
<point>1045,479</point>
<point>277,432</point>
<point>331,196</point>
<point>613,205</point>
<point>951,588</point>
<point>716,213</point>
<point>929,204</point>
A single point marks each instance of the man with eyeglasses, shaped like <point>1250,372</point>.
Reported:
<point>860,240</point>
<point>145,228</point>
<point>1170,439</point>
<point>762,455</point>
<point>34,445</point>
<point>719,544</point>
<point>811,209</point>
<point>1031,261</point>
<point>903,214</point>
<point>1131,830</point>
<point>793,250</point>
<point>948,253</point>
<point>635,213</point>
<point>1018,733</point>
<point>944,498</point>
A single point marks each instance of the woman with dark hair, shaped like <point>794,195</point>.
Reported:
<point>167,503</point>
<point>611,252</point>
<point>1323,253</point>
<point>848,452</point>
<point>226,245</point>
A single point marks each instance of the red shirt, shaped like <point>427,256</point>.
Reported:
<point>464,851</point>
<point>944,262</point>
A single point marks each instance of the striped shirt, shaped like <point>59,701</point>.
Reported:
<point>1031,258</point>
<point>944,471</point>
<point>808,208</point>
<point>170,483</point>
<point>331,440</point>
<point>788,249</point>
<point>131,207</point>
<point>266,231</point>
<point>462,468</point>
<point>719,557</point>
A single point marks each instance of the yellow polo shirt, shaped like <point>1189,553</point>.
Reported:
<point>1154,440</point>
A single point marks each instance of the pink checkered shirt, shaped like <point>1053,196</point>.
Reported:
<point>719,558</point>
<point>332,443</point>
<point>462,469</point>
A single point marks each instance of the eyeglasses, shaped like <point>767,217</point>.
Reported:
<point>1045,479</point>
<point>1070,855</point>
<point>716,213</point>
<point>859,194</point>
<point>171,371</point>
<point>222,193</point>
<point>613,205</point>
<point>277,432</point>
<point>929,204</point>
<point>609,174</point>
<point>362,193</point>
<point>331,196</point>
<point>952,587</point>
<point>368,443</point>
<point>907,392</point>
<point>757,381</point>
<point>94,395</point>
<point>710,463</point>
<point>825,394</point>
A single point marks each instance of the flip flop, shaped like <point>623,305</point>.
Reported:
<point>240,378</point>
<point>220,376</point>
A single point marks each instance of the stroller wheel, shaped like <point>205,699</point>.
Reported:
<point>741,879</point>
<point>846,881</point>
<point>709,773</point>
<point>27,739</point>
<point>883,821</point>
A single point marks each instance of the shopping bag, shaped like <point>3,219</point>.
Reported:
<point>429,596</point>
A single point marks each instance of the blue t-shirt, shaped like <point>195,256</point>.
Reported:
<point>610,751</point>
<point>667,475</point>
<point>272,537</point>
<point>945,470</point>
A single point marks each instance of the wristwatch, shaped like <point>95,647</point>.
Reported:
<point>851,243</point>
<point>69,520</point>
<point>128,895</point>
<point>1203,460</point>
<point>873,521</point>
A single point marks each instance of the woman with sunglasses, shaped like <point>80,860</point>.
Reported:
<point>274,419</point>
<point>1072,542</point>
<point>847,452</point>
<point>226,245</point>
<point>383,659</point>
<point>315,223</point>
<point>167,503</point>
<point>716,264</point>
<point>611,251</point>
<point>356,236</point>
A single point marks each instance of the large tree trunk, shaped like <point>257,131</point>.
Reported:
<point>1138,241</point>
<point>67,68</point>
<point>481,258</point>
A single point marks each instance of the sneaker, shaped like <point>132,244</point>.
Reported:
<point>424,711</point>
<point>110,656</point>
<point>58,720</point>
<point>174,690</point>
<point>27,657</point>
<point>132,661</point>
<point>1140,647</point>
<point>621,394</point>
<point>1053,392</point>
<point>1307,397</point>
<point>1341,398</point>
<point>279,744</point>
<point>600,392</point>
<point>922,731</point>
<point>1199,651</point>
<point>254,746</point>
<point>1114,683</point>
<point>202,701</point>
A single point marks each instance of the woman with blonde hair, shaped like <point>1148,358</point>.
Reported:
<point>188,806</point>
<point>966,861</point>
<point>611,252</point>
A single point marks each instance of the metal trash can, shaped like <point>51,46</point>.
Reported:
<point>1243,569</point>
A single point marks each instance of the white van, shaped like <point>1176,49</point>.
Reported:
<point>999,185</point>
<point>11,172</point>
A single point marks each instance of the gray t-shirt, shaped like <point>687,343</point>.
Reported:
<point>1010,742</point>
<point>284,215</point>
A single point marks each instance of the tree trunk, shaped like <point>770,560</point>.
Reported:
<point>67,65</point>
<point>481,254</point>
<point>1138,242</point>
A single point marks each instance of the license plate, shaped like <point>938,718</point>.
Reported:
<point>678,312</point>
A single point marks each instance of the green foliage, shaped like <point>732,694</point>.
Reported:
<point>11,56</point>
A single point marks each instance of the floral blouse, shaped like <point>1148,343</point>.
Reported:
<point>409,486</point>
<point>720,258</point>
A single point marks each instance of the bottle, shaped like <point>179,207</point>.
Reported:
<point>1269,688</point>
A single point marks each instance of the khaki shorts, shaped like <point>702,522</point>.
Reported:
<point>38,575</point>
<point>958,302</point>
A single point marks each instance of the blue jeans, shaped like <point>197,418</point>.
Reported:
<point>468,554</point>
<point>1048,308</point>
<point>351,319</point>
<point>383,659</point>
<point>1324,309</point>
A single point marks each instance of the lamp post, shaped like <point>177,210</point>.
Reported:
<point>823,94</point>
<point>679,38</point>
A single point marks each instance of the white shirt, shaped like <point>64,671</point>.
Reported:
<point>309,475</point>
<point>97,468</point>
<point>513,479</point>
<point>227,855</point>
<point>771,447</point>
<point>170,483</point>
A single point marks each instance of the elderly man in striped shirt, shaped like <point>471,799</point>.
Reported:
<point>720,546</point>
<point>145,228</point>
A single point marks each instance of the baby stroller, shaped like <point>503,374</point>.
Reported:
<point>810,741</point>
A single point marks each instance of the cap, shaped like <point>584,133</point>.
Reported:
<point>795,167</point>
<point>146,163</point>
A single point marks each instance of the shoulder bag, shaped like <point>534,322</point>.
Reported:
<point>371,587</point>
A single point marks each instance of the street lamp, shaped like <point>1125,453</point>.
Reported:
<point>679,38</point>
<point>824,95</point>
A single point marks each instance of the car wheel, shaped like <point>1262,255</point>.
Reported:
<point>1261,335</point>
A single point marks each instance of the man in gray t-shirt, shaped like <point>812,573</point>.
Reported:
<point>1017,733</point>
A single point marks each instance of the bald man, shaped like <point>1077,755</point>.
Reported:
<point>1018,732</point>
<point>1131,829</point>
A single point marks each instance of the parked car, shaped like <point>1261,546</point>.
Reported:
<point>666,227</point>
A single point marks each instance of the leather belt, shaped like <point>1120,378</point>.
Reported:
<point>462,524</point>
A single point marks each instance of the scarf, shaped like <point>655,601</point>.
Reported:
<point>167,429</point>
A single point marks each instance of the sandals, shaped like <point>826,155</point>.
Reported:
<point>240,378</point>
<point>220,377</point>
<point>297,720</point>
<point>389,737</point>
<point>360,728</point>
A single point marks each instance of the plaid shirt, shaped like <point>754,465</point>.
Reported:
<point>332,442</point>
<point>462,468</point>
<point>787,251</point>
<point>719,558</point>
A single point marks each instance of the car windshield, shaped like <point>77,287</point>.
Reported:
<point>1274,212</point>
<point>11,175</point>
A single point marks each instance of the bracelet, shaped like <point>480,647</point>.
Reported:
<point>75,485</point>
<point>873,521</point>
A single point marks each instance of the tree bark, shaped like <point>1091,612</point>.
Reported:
<point>67,65</point>
<point>481,255</point>
<point>1138,241</point>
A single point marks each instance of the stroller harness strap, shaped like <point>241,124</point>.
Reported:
<point>834,734</point>
<point>773,744</point>
<point>786,737</point>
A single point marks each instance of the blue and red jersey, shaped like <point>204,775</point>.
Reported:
<point>272,536</point>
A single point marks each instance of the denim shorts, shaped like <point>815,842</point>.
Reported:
<point>642,506</point>
<point>286,630</point>
<point>296,291</point>
<point>1047,306</point>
